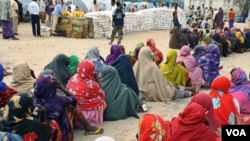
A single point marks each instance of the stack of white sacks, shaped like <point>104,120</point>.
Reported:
<point>148,19</point>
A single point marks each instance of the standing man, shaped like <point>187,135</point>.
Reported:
<point>118,22</point>
<point>34,11</point>
<point>231,15</point>
<point>42,7</point>
<point>112,9</point>
<point>55,16</point>
<point>15,16</point>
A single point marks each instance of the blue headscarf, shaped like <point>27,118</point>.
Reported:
<point>2,84</point>
<point>94,55</point>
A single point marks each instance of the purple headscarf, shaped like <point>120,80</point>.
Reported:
<point>2,84</point>
<point>240,89</point>
<point>115,52</point>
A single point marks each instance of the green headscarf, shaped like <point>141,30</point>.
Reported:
<point>73,63</point>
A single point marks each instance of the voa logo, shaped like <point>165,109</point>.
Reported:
<point>236,132</point>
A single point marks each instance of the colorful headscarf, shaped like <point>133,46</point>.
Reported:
<point>239,36</point>
<point>157,53</point>
<point>223,103</point>
<point>73,63</point>
<point>152,128</point>
<point>94,55</point>
<point>190,125</point>
<point>115,52</point>
<point>2,84</point>
<point>135,53</point>
<point>87,91</point>
<point>207,40</point>
<point>206,102</point>
<point>185,50</point>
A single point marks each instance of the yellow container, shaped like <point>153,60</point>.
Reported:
<point>78,14</point>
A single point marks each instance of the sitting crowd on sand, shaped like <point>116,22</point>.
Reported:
<point>74,92</point>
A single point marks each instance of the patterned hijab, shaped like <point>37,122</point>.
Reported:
<point>2,84</point>
<point>152,128</point>
<point>223,104</point>
<point>115,52</point>
<point>22,80</point>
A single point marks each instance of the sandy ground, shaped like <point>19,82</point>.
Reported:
<point>38,51</point>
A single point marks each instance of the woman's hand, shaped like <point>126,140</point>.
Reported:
<point>56,82</point>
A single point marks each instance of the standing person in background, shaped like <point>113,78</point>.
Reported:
<point>55,16</point>
<point>20,11</point>
<point>42,7</point>
<point>95,7</point>
<point>112,9</point>
<point>231,16</point>
<point>49,9</point>
<point>6,16</point>
<point>118,22</point>
<point>15,13</point>
<point>34,11</point>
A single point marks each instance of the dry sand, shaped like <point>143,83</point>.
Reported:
<point>38,51</point>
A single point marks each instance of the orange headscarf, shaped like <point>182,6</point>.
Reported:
<point>223,103</point>
<point>152,128</point>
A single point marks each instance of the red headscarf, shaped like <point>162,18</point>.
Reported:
<point>152,128</point>
<point>88,93</point>
<point>157,52</point>
<point>206,102</point>
<point>223,104</point>
<point>190,125</point>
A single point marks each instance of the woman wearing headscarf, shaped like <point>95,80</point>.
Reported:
<point>199,51</point>
<point>223,103</point>
<point>157,53</point>
<point>192,38</point>
<point>17,118</point>
<point>224,43</point>
<point>194,71</point>
<point>93,54</point>
<point>125,71</point>
<point>152,127</point>
<point>59,65</point>
<point>209,63</point>
<point>136,51</point>
<point>151,82</point>
<point>73,63</point>
<point>206,102</point>
<point>6,92</point>
<point>177,39</point>
<point>191,125</point>
<point>240,90</point>
<point>90,97</point>
<point>122,101</point>
<point>206,41</point>
<point>45,94</point>
<point>240,42</point>
<point>247,41</point>
<point>22,79</point>
<point>173,72</point>
<point>115,51</point>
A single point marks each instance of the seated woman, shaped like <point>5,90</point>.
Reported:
<point>206,41</point>
<point>210,64</point>
<point>173,72</point>
<point>45,94</point>
<point>136,51</point>
<point>121,100</point>
<point>115,51</point>
<point>177,39</point>
<point>132,59</point>
<point>199,51</point>
<point>73,63</point>
<point>152,128</point>
<point>59,65</point>
<point>189,62</point>
<point>240,90</point>
<point>6,92</point>
<point>224,43</point>
<point>23,78</point>
<point>158,56</point>
<point>206,102</point>
<point>247,41</point>
<point>240,42</point>
<point>125,71</point>
<point>225,108</point>
<point>18,119</point>
<point>151,82</point>
<point>89,95</point>
<point>191,125</point>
